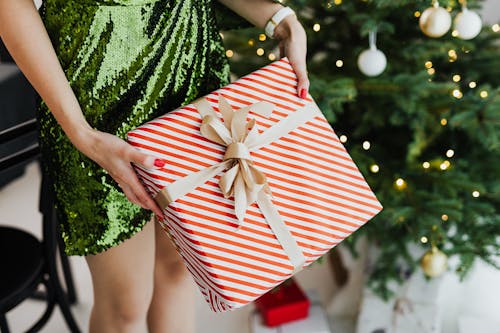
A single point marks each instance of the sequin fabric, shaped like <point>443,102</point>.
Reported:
<point>127,61</point>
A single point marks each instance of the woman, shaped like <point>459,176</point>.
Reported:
<point>103,67</point>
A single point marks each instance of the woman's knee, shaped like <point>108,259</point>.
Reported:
<point>127,308</point>
<point>171,269</point>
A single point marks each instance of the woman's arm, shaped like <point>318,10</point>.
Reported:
<point>26,38</point>
<point>257,12</point>
<point>289,32</point>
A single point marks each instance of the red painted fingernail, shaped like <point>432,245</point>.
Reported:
<point>303,93</point>
<point>159,163</point>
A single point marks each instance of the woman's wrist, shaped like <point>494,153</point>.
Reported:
<point>288,27</point>
<point>84,138</point>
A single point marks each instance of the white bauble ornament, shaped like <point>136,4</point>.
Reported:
<point>468,24</point>
<point>372,62</point>
<point>435,21</point>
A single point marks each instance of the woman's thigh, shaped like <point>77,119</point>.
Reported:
<point>124,274</point>
<point>167,261</point>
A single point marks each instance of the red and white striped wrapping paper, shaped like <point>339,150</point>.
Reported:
<point>316,188</point>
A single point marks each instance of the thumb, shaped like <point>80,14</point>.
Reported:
<point>145,160</point>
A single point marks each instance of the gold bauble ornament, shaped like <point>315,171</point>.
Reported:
<point>434,262</point>
<point>435,21</point>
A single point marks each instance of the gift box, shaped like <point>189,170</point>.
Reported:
<point>283,304</point>
<point>416,307</point>
<point>256,185</point>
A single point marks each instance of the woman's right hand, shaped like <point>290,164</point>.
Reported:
<point>115,156</point>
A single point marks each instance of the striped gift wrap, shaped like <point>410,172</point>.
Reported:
<point>316,187</point>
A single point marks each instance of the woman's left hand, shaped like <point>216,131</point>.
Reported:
<point>293,45</point>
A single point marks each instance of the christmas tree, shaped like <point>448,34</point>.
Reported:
<point>424,132</point>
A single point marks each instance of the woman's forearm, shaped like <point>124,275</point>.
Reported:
<point>26,38</point>
<point>257,12</point>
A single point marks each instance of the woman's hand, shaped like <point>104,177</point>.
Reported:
<point>293,44</point>
<point>290,33</point>
<point>115,156</point>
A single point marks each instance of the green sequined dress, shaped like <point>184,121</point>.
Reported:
<point>127,61</point>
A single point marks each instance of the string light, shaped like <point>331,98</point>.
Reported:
<point>455,33</point>
<point>450,153</point>
<point>400,183</point>
<point>229,53</point>
<point>262,37</point>
<point>472,84</point>
<point>449,8</point>
<point>337,2</point>
<point>272,56</point>
<point>483,94</point>
<point>444,217</point>
<point>495,27</point>
<point>251,42</point>
<point>316,27</point>
<point>343,138</point>
<point>428,64</point>
<point>423,239</point>
<point>431,71</point>
<point>374,168</point>
<point>445,165</point>
<point>443,121</point>
<point>457,93</point>
<point>456,78</point>
<point>366,145</point>
<point>339,63</point>
<point>452,54</point>
<point>260,51</point>
<point>426,165</point>
<point>417,14</point>
<point>475,194</point>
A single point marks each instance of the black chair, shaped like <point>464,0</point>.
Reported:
<point>27,262</point>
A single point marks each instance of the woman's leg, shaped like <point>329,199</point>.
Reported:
<point>172,308</point>
<point>123,284</point>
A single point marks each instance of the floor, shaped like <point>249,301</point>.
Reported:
<point>18,207</point>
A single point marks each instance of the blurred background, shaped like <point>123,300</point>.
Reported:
<point>412,89</point>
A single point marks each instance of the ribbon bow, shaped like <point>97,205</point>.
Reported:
<point>241,178</point>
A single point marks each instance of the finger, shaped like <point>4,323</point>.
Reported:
<point>299,67</point>
<point>130,195</point>
<point>143,196</point>
<point>145,160</point>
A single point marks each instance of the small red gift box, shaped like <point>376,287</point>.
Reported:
<point>283,304</point>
